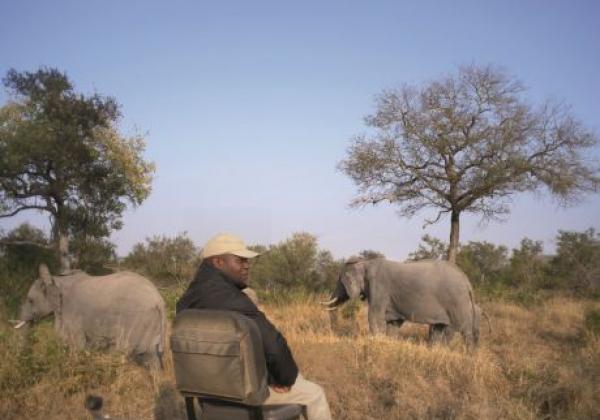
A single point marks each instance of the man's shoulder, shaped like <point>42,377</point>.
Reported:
<point>215,293</point>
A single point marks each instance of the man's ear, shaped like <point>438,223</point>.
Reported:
<point>217,262</point>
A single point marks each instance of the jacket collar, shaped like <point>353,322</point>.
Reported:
<point>209,271</point>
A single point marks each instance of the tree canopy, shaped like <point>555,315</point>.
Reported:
<point>164,259</point>
<point>467,143</point>
<point>62,153</point>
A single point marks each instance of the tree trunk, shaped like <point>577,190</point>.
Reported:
<point>63,252</point>
<point>61,238</point>
<point>454,235</point>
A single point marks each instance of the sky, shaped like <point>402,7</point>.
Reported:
<point>247,107</point>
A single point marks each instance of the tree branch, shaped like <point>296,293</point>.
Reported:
<point>437,219</point>
<point>4,242</point>
<point>20,209</point>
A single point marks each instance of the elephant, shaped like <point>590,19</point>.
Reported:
<point>430,292</point>
<point>122,311</point>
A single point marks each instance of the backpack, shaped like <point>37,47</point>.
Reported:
<point>219,354</point>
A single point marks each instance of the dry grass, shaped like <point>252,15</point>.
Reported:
<point>539,362</point>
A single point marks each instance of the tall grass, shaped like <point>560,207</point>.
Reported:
<point>537,362</point>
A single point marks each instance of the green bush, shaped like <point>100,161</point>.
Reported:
<point>293,265</point>
<point>22,251</point>
<point>484,263</point>
<point>431,249</point>
<point>165,260</point>
<point>527,266</point>
<point>171,295</point>
<point>95,256</point>
<point>592,320</point>
<point>577,264</point>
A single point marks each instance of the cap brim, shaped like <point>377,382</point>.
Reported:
<point>244,253</point>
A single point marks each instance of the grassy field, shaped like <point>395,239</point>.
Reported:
<point>541,362</point>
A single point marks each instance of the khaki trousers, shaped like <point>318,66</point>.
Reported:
<point>307,394</point>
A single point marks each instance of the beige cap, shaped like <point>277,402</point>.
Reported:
<point>224,243</point>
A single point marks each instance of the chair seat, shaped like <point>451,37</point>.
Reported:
<point>225,410</point>
<point>281,412</point>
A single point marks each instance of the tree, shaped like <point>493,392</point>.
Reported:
<point>294,263</point>
<point>483,262</point>
<point>527,265</point>
<point>328,269</point>
<point>432,249</point>
<point>94,255</point>
<point>577,263</point>
<point>165,259</point>
<point>61,153</point>
<point>369,254</point>
<point>467,143</point>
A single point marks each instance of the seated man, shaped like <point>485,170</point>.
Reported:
<point>218,284</point>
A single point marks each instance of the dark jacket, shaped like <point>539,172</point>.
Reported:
<point>213,289</point>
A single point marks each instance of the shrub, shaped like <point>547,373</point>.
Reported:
<point>94,255</point>
<point>577,263</point>
<point>483,262</point>
<point>432,248</point>
<point>294,264</point>
<point>527,266</point>
<point>592,320</point>
<point>22,250</point>
<point>165,260</point>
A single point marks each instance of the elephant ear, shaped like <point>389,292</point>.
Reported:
<point>45,276</point>
<point>353,278</point>
<point>50,289</point>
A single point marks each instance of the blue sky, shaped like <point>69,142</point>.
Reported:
<point>248,106</point>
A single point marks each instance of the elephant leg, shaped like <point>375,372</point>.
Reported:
<point>377,324</point>
<point>440,333</point>
<point>471,339</point>
<point>448,334</point>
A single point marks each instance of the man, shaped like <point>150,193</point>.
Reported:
<point>218,284</point>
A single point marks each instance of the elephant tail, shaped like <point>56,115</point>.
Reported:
<point>474,334</point>
<point>487,318</point>
<point>160,343</point>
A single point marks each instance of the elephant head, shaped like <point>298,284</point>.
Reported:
<point>351,283</point>
<point>42,299</point>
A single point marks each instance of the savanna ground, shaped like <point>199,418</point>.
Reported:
<point>537,362</point>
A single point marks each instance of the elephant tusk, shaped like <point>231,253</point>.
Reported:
<point>335,308</point>
<point>20,324</point>
<point>330,302</point>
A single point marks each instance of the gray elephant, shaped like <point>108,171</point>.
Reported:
<point>122,311</point>
<point>430,292</point>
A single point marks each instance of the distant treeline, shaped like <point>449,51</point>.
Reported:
<point>299,264</point>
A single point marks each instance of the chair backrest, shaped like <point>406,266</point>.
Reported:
<point>219,354</point>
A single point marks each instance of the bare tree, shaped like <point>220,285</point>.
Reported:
<point>467,143</point>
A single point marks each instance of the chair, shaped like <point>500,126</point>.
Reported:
<point>219,361</point>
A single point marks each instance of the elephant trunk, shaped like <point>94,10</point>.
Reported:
<point>338,297</point>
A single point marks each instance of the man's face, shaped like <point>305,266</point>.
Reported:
<point>234,266</point>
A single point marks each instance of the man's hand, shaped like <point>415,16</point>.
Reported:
<point>280,389</point>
